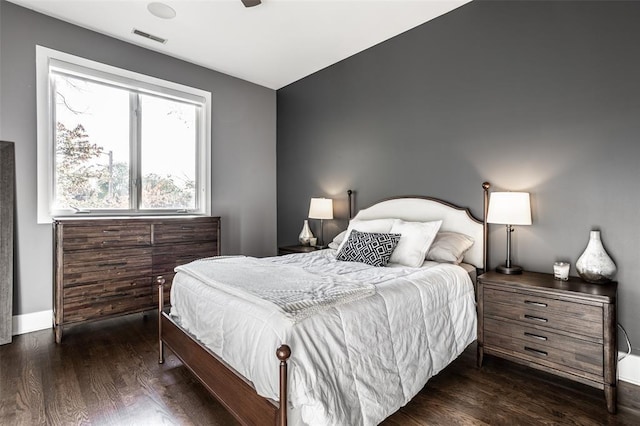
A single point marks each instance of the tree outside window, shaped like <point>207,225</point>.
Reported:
<point>118,149</point>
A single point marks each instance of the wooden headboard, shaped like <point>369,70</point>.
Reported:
<point>424,209</point>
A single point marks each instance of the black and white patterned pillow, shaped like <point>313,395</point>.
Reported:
<point>368,247</point>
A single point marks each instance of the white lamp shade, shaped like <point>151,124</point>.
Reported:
<point>509,208</point>
<point>321,208</point>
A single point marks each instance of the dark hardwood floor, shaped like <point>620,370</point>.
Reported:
<point>106,373</point>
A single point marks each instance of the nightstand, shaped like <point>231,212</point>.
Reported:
<point>567,328</point>
<point>295,249</point>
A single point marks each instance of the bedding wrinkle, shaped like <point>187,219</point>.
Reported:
<point>406,319</point>
<point>255,348</point>
<point>325,351</point>
<point>394,349</point>
<point>366,328</point>
<point>352,371</point>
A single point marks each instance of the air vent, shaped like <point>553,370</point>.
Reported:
<point>150,36</point>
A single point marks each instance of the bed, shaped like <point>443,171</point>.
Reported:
<point>352,360</point>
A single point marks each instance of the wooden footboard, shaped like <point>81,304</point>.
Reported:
<point>222,381</point>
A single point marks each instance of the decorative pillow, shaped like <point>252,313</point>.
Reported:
<point>382,226</point>
<point>449,247</point>
<point>415,241</point>
<point>368,247</point>
<point>337,240</point>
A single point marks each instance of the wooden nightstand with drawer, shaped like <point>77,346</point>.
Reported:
<point>567,328</point>
<point>296,249</point>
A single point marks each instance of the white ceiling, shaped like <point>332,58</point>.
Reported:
<point>273,44</point>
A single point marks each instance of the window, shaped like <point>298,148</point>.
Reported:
<point>111,141</point>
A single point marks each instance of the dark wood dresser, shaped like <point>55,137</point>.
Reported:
<point>567,328</point>
<point>106,267</point>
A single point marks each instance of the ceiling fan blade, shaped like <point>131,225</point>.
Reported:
<point>250,3</point>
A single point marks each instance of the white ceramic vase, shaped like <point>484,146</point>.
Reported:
<point>305,234</point>
<point>595,265</point>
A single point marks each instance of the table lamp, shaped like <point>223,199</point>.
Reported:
<point>509,208</point>
<point>321,208</point>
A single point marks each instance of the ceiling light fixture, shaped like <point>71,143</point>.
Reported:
<point>161,10</point>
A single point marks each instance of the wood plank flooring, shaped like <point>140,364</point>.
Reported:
<point>106,373</point>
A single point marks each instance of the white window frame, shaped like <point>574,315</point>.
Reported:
<point>46,60</point>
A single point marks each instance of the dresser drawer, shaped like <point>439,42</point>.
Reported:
<point>539,311</point>
<point>108,298</point>
<point>166,258</point>
<point>185,231</point>
<point>98,235</point>
<point>85,267</point>
<point>542,344</point>
<point>107,308</point>
<point>114,289</point>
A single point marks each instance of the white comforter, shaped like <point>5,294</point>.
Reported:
<point>353,364</point>
<point>296,292</point>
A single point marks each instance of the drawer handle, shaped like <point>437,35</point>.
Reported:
<point>110,242</point>
<point>530,302</point>
<point>106,231</point>
<point>535,336</point>
<point>534,318</point>
<point>535,351</point>
<point>187,228</point>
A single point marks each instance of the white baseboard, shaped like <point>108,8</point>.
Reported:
<point>32,322</point>
<point>629,369</point>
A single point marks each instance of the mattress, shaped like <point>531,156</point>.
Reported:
<point>354,363</point>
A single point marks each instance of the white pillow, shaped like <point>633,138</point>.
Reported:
<point>337,240</point>
<point>380,226</point>
<point>415,240</point>
<point>449,247</point>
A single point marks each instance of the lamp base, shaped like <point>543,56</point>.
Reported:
<point>509,270</point>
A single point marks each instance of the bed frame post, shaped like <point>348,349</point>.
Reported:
<point>485,230</point>
<point>283,353</point>
<point>160,281</point>
<point>350,195</point>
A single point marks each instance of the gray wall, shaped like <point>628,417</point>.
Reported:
<point>1,63</point>
<point>541,97</point>
<point>243,140</point>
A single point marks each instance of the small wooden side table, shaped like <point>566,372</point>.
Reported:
<point>566,328</point>
<point>296,249</point>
